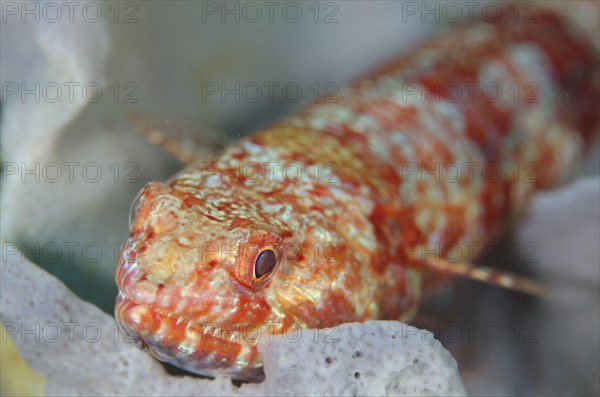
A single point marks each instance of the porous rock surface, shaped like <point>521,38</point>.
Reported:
<point>80,350</point>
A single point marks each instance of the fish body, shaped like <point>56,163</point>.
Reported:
<point>335,214</point>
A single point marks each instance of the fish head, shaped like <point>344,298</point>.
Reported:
<point>195,279</point>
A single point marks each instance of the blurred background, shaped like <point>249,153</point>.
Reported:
<point>72,161</point>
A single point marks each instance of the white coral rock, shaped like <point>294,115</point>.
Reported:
<point>78,347</point>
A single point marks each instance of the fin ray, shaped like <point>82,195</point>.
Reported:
<point>489,276</point>
<point>186,140</point>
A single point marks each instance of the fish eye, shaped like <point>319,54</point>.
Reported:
<point>265,263</point>
<point>133,210</point>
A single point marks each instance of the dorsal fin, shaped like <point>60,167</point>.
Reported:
<point>488,275</point>
<point>184,139</point>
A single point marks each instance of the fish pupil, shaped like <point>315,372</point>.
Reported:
<point>265,263</point>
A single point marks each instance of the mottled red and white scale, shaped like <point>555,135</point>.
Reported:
<point>221,255</point>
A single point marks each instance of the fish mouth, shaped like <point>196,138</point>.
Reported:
<point>186,344</point>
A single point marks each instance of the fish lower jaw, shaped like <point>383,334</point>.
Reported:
<point>191,346</point>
